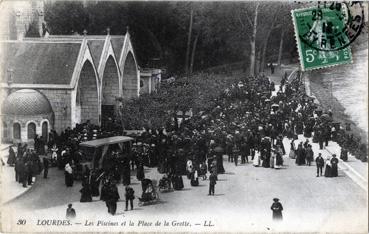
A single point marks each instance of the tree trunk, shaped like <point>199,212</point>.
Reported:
<point>280,49</point>
<point>193,53</point>
<point>189,43</point>
<point>258,62</point>
<point>265,47</point>
<point>252,42</point>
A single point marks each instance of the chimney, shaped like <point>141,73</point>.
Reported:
<point>38,15</point>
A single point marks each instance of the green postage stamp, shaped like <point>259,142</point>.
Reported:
<point>324,34</point>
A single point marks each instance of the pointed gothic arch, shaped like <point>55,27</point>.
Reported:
<point>109,88</point>
<point>87,95</point>
<point>130,82</point>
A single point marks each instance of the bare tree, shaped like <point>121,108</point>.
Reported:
<point>189,44</point>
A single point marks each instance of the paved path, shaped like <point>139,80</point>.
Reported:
<point>243,197</point>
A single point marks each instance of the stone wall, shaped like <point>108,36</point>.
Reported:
<point>146,81</point>
<point>60,101</point>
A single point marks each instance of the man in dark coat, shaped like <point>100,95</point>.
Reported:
<point>16,169</point>
<point>319,165</point>
<point>46,167</point>
<point>277,210</point>
<point>334,169</point>
<point>212,183</point>
<point>130,195</point>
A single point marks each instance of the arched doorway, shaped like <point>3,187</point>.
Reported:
<point>130,83</point>
<point>110,90</point>
<point>45,131</point>
<point>87,101</point>
<point>17,131</point>
<point>31,130</point>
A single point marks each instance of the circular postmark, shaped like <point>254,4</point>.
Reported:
<point>332,26</point>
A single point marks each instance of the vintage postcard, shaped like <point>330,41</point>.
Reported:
<point>183,116</point>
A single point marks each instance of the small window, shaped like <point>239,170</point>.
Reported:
<point>16,131</point>
<point>31,130</point>
<point>141,83</point>
<point>5,130</point>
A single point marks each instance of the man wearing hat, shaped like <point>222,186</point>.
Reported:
<point>319,165</point>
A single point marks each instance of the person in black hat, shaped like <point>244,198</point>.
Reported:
<point>212,182</point>
<point>334,163</point>
<point>71,213</point>
<point>130,195</point>
<point>319,161</point>
<point>277,210</point>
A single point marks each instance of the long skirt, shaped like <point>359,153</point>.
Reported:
<point>271,164</point>
<point>178,183</point>
<point>68,179</point>
<point>292,154</point>
<point>256,161</point>
<point>334,171</point>
<point>328,171</point>
<point>140,173</point>
<point>95,189</point>
<point>86,195</point>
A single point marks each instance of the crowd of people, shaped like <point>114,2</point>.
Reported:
<point>248,121</point>
<point>27,164</point>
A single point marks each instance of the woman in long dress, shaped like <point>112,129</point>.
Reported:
<point>328,168</point>
<point>272,159</point>
<point>278,158</point>
<point>86,195</point>
<point>256,160</point>
<point>68,175</point>
<point>277,210</point>
<point>300,155</point>
<point>293,149</point>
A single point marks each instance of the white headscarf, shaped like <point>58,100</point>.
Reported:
<point>68,168</point>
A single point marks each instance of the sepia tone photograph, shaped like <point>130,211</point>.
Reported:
<point>183,116</point>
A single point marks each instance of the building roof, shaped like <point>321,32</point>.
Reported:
<point>38,62</point>
<point>96,46</point>
<point>117,44</point>
<point>26,102</point>
<point>51,60</point>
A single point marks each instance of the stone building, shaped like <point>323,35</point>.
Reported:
<point>78,75</point>
<point>55,82</point>
<point>150,80</point>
